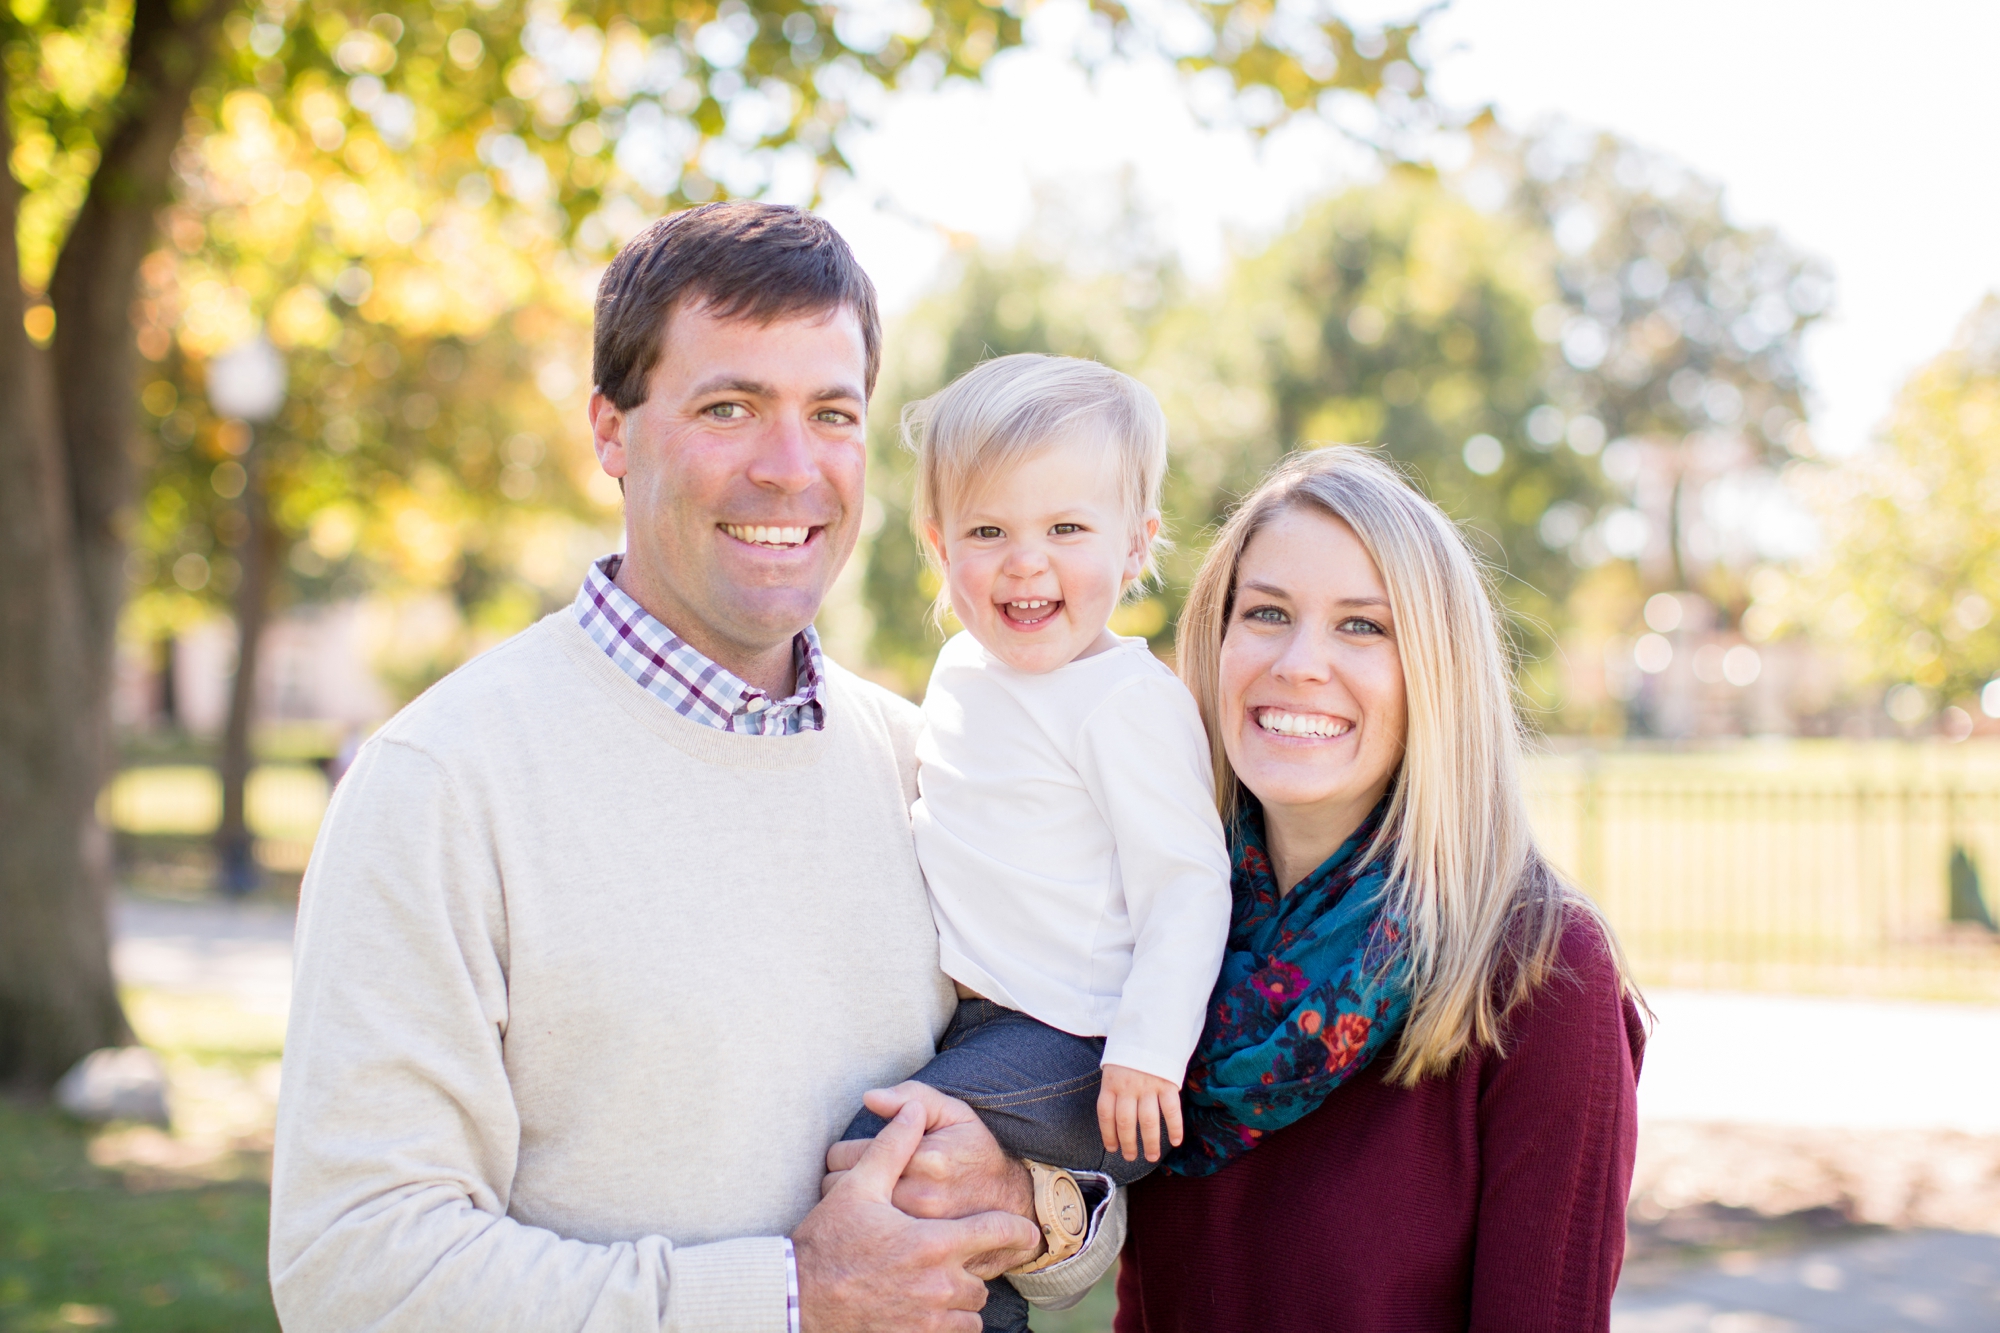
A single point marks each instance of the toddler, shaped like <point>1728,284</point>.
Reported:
<point>1066,818</point>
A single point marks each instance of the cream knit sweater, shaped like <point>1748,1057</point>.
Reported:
<point>584,990</point>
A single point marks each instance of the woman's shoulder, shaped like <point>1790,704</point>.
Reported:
<point>1584,949</point>
<point>1584,989</point>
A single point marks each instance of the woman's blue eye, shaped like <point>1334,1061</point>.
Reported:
<point>1269,615</point>
<point>1357,625</point>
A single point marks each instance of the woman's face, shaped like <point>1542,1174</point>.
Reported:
<point>1313,709</point>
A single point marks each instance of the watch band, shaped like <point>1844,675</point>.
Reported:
<point>1061,1212</point>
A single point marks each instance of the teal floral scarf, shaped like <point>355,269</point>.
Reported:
<point>1313,983</point>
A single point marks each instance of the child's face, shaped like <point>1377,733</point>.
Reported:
<point>1036,561</point>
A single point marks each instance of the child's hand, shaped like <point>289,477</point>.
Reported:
<point>1130,1109</point>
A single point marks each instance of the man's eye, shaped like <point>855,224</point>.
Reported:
<point>833,416</point>
<point>1065,529</point>
<point>987,533</point>
<point>729,411</point>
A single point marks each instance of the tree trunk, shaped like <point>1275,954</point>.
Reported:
<point>66,419</point>
<point>57,1000</point>
<point>238,868</point>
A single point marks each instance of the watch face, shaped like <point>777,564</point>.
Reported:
<point>1067,1200</point>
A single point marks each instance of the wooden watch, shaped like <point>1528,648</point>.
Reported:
<point>1060,1210</point>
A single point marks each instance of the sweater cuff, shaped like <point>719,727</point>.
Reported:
<point>1062,1285</point>
<point>732,1286</point>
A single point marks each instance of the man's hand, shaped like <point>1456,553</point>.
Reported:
<point>864,1265</point>
<point>1131,1107</point>
<point>958,1170</point>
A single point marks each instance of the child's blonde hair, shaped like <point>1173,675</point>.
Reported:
<point>1004,411</point>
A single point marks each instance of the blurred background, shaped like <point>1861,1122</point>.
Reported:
<point>1690,313</point>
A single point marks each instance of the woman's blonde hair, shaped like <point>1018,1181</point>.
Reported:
<point>1485,912</point>
<point>1004,411</point>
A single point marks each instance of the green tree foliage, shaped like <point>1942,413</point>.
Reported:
<point>1677,337</point>
<point>397,466</point>
<point>1908,574</point>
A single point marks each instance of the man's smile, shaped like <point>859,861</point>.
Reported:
<point>772,537</point>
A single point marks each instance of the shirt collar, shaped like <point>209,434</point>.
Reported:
<point>674,671</point>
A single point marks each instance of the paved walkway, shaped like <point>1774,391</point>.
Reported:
<point>1818,1061</point>
<point>242,950</point>
<point>1912,1282</point>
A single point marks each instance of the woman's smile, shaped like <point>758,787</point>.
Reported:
<point>1298,724</point>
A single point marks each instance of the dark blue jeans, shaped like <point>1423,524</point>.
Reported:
<point>1036,1089</point>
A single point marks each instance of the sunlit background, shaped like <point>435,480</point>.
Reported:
<point>1690,312</point>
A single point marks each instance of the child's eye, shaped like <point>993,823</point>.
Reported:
<point>1065,529</point>
<point>986,533</point>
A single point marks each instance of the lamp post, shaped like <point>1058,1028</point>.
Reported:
<point>246,383</point>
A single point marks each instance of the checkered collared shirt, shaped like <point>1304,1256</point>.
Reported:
<point>670,669</point>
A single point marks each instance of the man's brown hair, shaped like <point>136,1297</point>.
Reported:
<point>738,260</point>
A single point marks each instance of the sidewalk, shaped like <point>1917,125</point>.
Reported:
<point>1822,1061</point>
<point>1879,1111</point>
<point>239,950</point>
<point>1916,1282</point>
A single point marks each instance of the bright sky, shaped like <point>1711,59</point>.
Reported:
<point>1864,133</point>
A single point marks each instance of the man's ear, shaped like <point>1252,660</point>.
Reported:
<point>607,436</point>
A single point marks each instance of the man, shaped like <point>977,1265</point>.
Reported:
<point>607,934</point>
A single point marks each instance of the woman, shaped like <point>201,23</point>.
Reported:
<point>1413,1105</point>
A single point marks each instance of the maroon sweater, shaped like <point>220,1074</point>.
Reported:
<point>1490,1199</point>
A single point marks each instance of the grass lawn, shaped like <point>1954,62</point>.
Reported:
<point>127,1227</point>
<point>81,1247</point>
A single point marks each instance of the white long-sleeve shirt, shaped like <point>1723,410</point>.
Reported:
<point>1066,826</point>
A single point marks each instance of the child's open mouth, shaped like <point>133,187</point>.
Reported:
<point>1030,613</point>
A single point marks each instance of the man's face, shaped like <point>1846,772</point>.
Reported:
<point>743,474</point>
